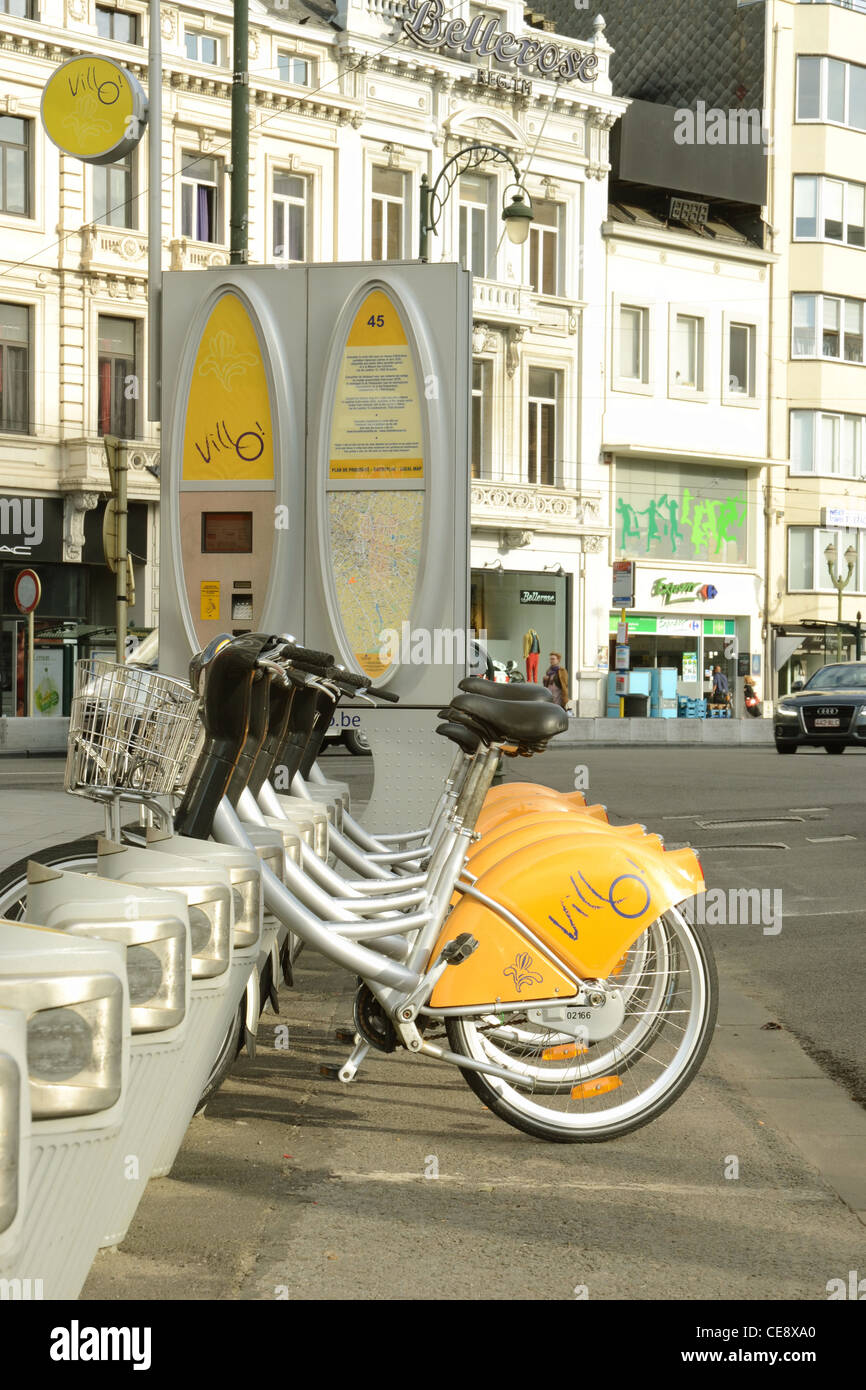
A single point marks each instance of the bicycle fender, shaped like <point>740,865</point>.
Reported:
<point>585,898</point>
<point>506,791</point>
<point>540,801</point>
<point>513,834</point>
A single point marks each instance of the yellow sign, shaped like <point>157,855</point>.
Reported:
<point>376,431</point>
<point>210,601</point>
<point>94,109</point>
<point>228,432</point>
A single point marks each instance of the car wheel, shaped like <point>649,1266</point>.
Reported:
<point>357,742</point>
<point>835,747</point>
<point>785,747</point>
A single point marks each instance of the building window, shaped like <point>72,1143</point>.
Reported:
<point>290,216</point>
<point>474,224</point>
<point>482,373</point>
<point>829,210</point>
<point>826,326</point>
<point>633,343</point>
<point>117,24</point>
<point>544,396</point>
<point>14,368</point>
<point>822,442</point>
<point>299,71</point>
<point>15,165</point>
<point>114,193</point>
<point>741,359</point>
<point>201,47</point>
<point>19,9</point>
<point>808,566</point>
<point>544,242</point>
<point>687,353</point>
<point>200,201</point>
<point>389,192</point>
<point>831,91</point>
<point>118,382</point>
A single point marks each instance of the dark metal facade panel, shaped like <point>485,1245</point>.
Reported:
<point>677,52</point>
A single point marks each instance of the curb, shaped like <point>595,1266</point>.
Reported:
<point>826,1127</point>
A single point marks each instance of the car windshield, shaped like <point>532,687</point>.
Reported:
<point>839,678</point>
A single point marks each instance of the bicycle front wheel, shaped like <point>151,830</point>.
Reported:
<point>651,1058</point>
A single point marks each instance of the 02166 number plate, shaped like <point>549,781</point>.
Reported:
<point>826,723</point>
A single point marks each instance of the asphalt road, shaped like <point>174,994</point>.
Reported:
<point>792,827</point>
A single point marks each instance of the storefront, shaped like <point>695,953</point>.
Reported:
<point>514,607</point>
<point>691,623</point>
<point>76,610</point>
<point>691,532</point>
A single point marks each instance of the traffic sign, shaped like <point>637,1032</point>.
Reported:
<point>27,590</point>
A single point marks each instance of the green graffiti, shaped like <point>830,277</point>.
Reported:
<point>708,524</point>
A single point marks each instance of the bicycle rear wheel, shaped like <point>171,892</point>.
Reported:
<point>650,1059</point>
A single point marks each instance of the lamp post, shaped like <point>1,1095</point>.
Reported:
<point>516,215</point>
<point>841,584</point>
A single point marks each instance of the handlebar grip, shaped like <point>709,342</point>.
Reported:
<point>347,678</point>
<point>385,695</point>
<point>306,658</point>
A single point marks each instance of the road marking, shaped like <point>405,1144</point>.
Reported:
<point>726,824</point>
<point>828,839</point>
<point>739,848</point>
<point>806,810</point>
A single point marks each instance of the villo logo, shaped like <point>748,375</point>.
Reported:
<point>21,523</point>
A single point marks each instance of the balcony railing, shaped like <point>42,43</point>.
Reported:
<point>520,504</point>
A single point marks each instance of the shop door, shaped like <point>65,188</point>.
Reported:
<point>714,655</point>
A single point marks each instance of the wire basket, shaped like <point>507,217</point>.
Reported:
<point>130,730</point>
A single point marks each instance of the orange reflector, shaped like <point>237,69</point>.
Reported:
<point>563,1052</point>
<point>619,965</point>
<point>587,1090</point>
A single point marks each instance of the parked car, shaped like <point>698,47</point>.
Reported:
<point>829,711</point>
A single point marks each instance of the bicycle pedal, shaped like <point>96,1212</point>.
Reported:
<point>460,949</point>
<point>329,1070</point>
<point>344,1035</point>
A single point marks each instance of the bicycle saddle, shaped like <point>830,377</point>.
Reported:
<point>476,685</point>
<point>459,734</point>
<point>519,721</point>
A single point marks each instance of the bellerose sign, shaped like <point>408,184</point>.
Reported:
<point>424,23</point>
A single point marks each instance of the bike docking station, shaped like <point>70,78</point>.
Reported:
<point>314,481</point>
<point>73,1094</point>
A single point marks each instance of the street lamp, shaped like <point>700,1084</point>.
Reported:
<point>516,215</point>
<point>831,555</point>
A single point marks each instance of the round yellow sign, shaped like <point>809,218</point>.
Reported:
<point>94,109</point>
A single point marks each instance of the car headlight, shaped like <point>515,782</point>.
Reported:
<point>74,1042</point>
<point>861,715</point>
<point>786,710</point>
<point>10,1111</point>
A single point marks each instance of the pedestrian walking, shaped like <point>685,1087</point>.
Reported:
<point>721,690</point>
<point>556,679</point>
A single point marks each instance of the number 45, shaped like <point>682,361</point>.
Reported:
<point>376,321</point>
